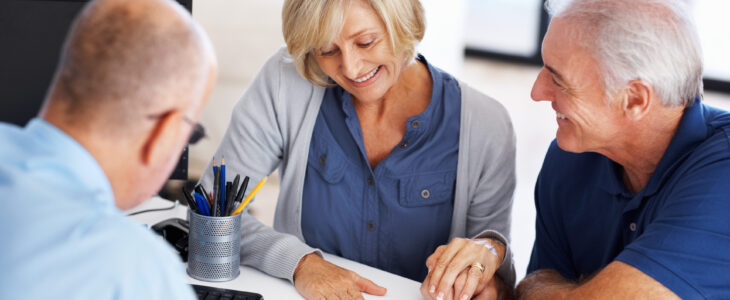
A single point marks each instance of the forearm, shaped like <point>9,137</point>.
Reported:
<point>544,284</point>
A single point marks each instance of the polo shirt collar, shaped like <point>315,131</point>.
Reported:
<point>692,130</point>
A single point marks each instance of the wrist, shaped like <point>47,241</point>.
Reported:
<point>496,247</point>
<point>305,260</point>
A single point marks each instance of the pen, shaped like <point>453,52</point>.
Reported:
<point>232,195</point>
<point>216,190</point>
<point>201,203</point>
<point>223,185</point>
<point>229,186</point>
<point>242,191</point>
<point>250,196</point>
<point>189,199</point>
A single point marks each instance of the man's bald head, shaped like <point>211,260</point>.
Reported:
<point>127,59</point>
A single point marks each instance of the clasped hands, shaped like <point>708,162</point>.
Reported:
<point>464,269</point>
<point>455,272</point>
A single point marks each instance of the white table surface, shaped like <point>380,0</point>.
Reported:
<point>252,280</point>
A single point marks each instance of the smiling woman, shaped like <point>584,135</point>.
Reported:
<point>384,158</point>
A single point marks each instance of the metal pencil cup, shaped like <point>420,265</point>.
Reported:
<point>214,247</point>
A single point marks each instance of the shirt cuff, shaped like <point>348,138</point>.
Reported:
<point>506,270</point>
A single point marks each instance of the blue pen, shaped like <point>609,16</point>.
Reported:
<point>200,200</point>
<point>223,185</point>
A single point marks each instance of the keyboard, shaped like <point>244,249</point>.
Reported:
<point>211,293</point>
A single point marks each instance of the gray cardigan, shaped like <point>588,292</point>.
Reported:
<point>271,127</point>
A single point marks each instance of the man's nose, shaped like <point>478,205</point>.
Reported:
<point>541,90</point>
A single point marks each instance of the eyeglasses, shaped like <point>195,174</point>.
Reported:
<point>198,132</point>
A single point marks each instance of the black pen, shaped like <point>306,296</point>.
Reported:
<point>242,191</point>
<point>189,199</point>
<point>231,195</point>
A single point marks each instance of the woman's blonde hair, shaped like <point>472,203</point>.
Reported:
<point>313,24</point>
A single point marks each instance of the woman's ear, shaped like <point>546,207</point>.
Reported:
<point>163,139</point>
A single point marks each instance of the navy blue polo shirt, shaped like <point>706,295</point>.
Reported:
<point>394,216</point>
<point>676,229</point>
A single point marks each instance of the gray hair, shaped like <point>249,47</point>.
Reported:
<point>652,40</point>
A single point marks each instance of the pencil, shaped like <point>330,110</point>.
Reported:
<point>216,190</point>
<point>250,196</point>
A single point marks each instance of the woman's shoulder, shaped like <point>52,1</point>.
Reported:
<point>281,64</point>
<point>483,111</point>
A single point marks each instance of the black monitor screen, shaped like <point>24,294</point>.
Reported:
<point>31,36</point>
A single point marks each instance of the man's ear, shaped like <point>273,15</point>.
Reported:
<point>162,139</point>
<point>637,99</point>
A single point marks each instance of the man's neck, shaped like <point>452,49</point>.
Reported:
<point>100,150</point>
<point>644,146</point>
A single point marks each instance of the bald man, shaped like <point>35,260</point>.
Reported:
<point>132,80</point>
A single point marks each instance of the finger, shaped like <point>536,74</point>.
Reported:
<point>431,260</point>
<point>474,277</point>
<point>458,264</point>
<point>367,286</point>
<point>443,263</point>
<point>460,283</point>
<point>428,295</point>
<point>354,294</point>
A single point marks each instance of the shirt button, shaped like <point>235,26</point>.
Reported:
<point>415,124</point>
<point>404,144</point>
<point>371,225</point>
<point>371,181</point>
<point>425,194</point>
<point>632,226</point>
<point>323,159</point>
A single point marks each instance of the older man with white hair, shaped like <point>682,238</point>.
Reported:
<point>633,198</point>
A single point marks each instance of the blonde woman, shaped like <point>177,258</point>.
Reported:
<point>384,159</point>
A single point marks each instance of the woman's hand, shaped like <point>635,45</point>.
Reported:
<point>454,270</point>
<point>316,278</point>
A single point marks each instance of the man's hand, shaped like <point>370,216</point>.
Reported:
<point>316,278</point>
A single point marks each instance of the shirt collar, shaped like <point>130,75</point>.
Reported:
<point>691,131</point>
<point>64,154</point>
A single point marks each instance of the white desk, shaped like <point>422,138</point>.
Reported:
<point>253,280</point>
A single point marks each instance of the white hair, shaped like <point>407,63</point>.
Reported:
<point>652,40</point>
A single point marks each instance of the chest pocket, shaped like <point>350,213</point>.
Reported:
<point>327,160</point>
<point>427,189</point>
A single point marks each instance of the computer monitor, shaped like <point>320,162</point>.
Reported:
<point>31,36</point>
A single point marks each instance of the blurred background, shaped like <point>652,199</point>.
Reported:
<point>492,45</point>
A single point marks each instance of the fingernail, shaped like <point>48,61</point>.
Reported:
<point>440,296</point>
<point>463,297</point>
<point>432,290</point>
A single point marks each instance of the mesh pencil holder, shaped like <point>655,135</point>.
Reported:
<point>214,247</point>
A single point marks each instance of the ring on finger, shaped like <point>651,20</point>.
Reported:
<point>479,266</point>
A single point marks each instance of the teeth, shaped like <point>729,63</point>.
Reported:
<point>562,116</point>
<point>366,77</point>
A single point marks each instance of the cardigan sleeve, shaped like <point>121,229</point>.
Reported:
<point>491,155</point>
<point>254,146</point>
